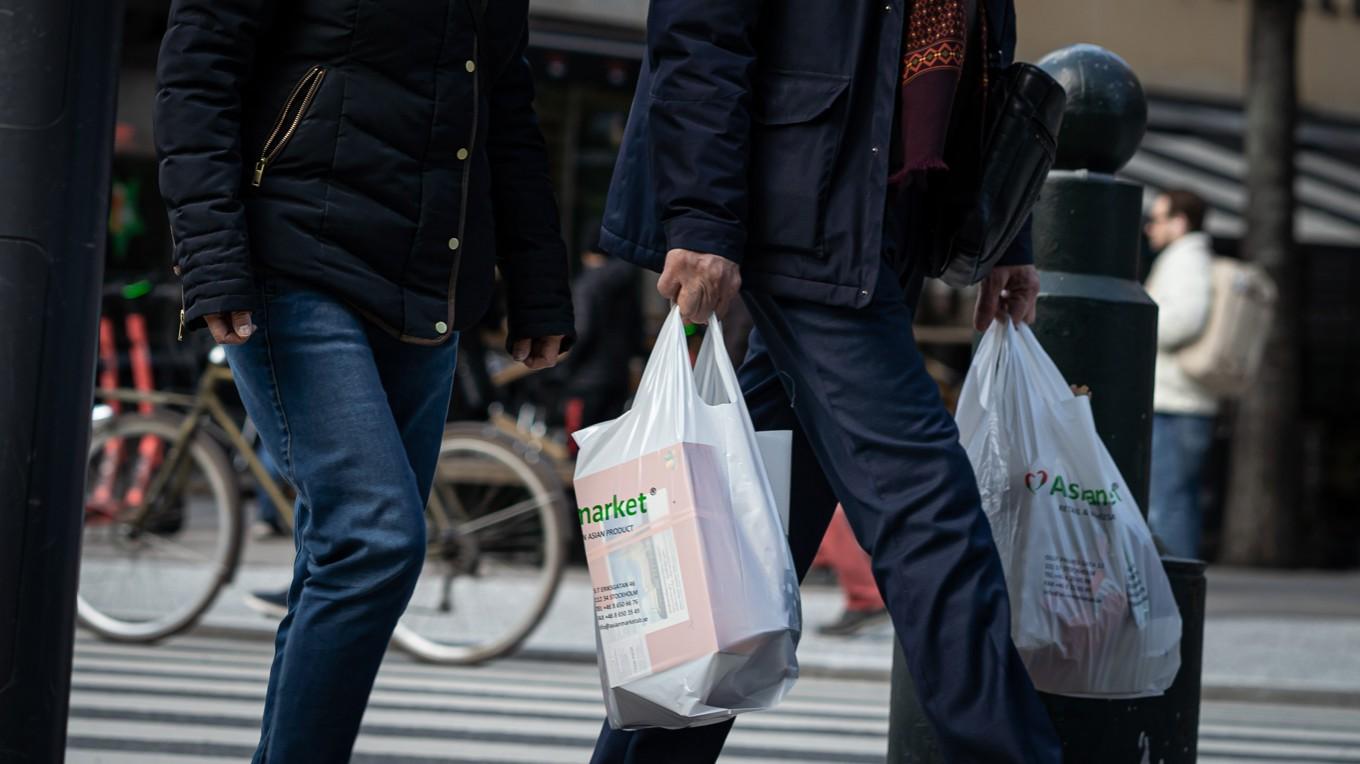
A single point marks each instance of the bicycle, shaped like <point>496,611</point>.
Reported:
<point>163,533</point>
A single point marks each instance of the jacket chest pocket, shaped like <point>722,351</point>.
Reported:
<point>799,121</point>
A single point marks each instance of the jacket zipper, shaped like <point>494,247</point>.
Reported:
<point>299,101</point>
<point>179,275</point>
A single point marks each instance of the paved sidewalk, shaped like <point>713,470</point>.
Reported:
<point>1270,636</point>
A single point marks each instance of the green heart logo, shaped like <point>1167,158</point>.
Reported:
<point>1036,480</point>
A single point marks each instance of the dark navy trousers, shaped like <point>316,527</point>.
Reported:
<point>871,431</point>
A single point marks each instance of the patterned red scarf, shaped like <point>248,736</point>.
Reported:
<point>932,65</point>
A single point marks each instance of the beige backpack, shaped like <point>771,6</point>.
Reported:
<point>1228,352</point>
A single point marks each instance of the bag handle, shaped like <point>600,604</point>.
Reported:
<point>668,365</point>
<point>714,376</point>
<point>1039,367</point>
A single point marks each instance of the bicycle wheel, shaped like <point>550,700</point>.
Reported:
<point>497,543</point>
<point>151,564</point>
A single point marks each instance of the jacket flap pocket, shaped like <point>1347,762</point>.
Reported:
<point>788,98</point>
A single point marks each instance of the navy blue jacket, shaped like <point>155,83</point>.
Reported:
<point>761,131</point>
<point>385,152</point>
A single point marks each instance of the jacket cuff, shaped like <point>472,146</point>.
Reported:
<point>215,281</point>
<point>698,234</point>
<point>1021,250</point>
<point>196,309</point>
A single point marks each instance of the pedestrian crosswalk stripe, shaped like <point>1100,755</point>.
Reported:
<point>1255,750</point>
<point>430,724</point>
<point>197,700</point>
<point>221,651</point>
<point>479,686</point>
<point>1244,733</point>
<point>184,698</point>
<point>483,687</point>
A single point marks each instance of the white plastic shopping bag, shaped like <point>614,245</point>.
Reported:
<point>1092,612</point>
<point>697,611</point>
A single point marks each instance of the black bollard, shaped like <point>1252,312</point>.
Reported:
<point>1100,328</point>
<point>58,70</point>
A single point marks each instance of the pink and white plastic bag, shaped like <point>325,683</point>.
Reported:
<point>696,599</point>
<point>1092,612</point>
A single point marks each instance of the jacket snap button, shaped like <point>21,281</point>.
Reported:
<point>441,327</point>
<point>462,154</point>
<point>453,243</point>
<point>471,66</point>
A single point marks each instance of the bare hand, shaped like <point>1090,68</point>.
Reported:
<point>230,328</point>
<point>538,352</point>
<point>1008,290</point>
<point>700,284</point>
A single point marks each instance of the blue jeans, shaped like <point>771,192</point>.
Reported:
<point>354,418</point>
<point>1180,444</point>
<point>268,513</point>
<point>870,430</point>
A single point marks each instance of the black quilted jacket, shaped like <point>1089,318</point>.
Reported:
<point>386,152</point>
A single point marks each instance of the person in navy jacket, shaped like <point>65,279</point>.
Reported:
<point>781,152</point>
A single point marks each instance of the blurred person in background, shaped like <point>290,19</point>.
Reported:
<point>342,180</point>
<point>1180,282</point>
<point>841,553</point>
<point>609,334</point>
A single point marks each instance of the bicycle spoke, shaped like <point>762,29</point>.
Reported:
<point>489,495</point>
<point>178,551</point>
<point>500,516</point>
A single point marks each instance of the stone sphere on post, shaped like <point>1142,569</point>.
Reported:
<point>1106,113</point>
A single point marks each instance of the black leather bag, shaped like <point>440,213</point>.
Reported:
<point>989,195</point>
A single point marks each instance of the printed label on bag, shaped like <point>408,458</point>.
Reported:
<point>646,562</point>
<point>1073,579</point>
<point>1139,603</point>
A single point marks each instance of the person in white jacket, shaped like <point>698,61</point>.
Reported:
<point>1183,426</point>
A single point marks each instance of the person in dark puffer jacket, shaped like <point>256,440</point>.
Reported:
<point>343,177</point>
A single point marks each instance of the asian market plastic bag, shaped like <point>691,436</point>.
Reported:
<point>696,599</point>
<point>1092,612</point>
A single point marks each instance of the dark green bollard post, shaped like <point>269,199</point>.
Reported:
<point>58,75</point>
<point>1100,328</point>
<point>1095,320</point>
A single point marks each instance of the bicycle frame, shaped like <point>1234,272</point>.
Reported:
<point>205,402</point>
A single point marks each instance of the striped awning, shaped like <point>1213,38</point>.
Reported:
<point>1199,148</point>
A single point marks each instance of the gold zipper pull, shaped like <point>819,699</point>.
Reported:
<point>180,338</point>
<point>259,172</point>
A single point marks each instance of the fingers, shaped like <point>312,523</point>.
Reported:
<point>669,283</point>
<point>695,303</point>
<point>727,294</point>
<point>218,327</point>
<point>1017,305</point>
<point>520,349</point>
<point>223,331</point>
<point>240,320</point>
<point>989,300</point>
<point>546,352</point>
